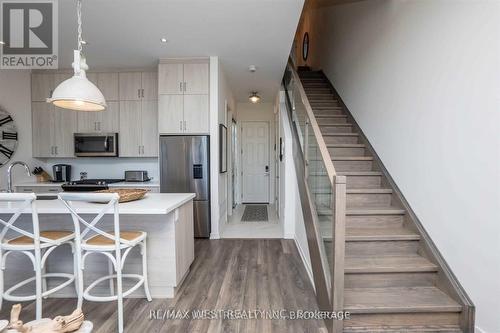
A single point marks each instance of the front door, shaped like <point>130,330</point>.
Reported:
<point>255,162</point>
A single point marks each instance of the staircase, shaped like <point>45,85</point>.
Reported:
<point>392,283</point>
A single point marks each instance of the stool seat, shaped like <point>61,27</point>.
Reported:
<point>59,236</point>
<point>132,236</point>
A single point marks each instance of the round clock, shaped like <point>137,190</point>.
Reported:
<point>8,137</point>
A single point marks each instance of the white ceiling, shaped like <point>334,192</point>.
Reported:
<point>127,33</point>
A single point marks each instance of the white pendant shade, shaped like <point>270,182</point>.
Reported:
<point>78,93</point>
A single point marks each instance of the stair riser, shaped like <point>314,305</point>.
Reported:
<point>374,221</point>
<point>336,129</point>
<point>320,97</point>
<point>340,139</point>
<point>363,181</point>
<point>319,90</point>
<point>327,112</point>
<point>341,166</point>
<point>331,121</point>
<point>366,248</point>
<point>368,200</point>
<point>387,280</point>
<point>346,151</point>
<point>403,319</point>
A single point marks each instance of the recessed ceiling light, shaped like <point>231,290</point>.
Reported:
<point>84,42</point>
<point>254,97</point>
<point>164,40</point>
<point>252,68</point>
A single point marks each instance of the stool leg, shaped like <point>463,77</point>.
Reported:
<point>44,280</point>
<point>1,279</point>
<point>38,285</point>
<point>111,281</point>
<point>145,269</point>
<point>120,296</point>
<point>79,268</point>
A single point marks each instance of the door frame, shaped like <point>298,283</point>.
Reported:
<point>268,159</point>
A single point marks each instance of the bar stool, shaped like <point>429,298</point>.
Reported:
<point>115,245</point>
<point>36,245</point>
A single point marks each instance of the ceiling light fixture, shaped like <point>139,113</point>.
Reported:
<point>254,97</point>
<point>84,42</point>
<point>164,40</point>
<point>252,68</point>
<point>78,93</point>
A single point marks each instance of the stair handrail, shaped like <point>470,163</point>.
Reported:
<point>325,154</point>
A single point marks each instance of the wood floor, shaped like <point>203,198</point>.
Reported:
<point>227,274</point>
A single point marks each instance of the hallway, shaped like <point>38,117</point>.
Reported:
<point>235,228</point>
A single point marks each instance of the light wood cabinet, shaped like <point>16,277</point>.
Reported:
<point>132,99</point>
<point>138,129</point>
<point>106,121</point>
<point>183,105</point>
<point>196,115</point>
<point>53,130</point>
<point>196,79</point>
<point>171,79</point>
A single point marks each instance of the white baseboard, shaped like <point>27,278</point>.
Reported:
<point>214,236</point>
<point>306,264</point>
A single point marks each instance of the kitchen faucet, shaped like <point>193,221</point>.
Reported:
<point>9,174</point>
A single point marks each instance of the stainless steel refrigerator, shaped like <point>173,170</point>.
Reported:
<point>185,168</point>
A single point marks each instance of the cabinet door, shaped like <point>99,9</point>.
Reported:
<point>42,86</point>
<point>149,132</point>
<point>196,79</point>
<point>150,86</point>
<point>130,129</point>
<point>171,114</point>
<point>87,121</point>
<point>130,86</point>
<point>108,84</point>
<point>109,120</point>
<point>170,78</point>
<point>42,123</point>
<point>64,126</point>
<point>196,115</point>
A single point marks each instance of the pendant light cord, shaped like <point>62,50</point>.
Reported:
<point>79,17</point>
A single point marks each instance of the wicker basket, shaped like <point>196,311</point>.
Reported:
<point>127,194</point>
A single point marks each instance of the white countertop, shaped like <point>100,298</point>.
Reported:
<point>151,183</point>
<point>151,204</point>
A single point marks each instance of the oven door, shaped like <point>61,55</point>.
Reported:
<point>98,144</point>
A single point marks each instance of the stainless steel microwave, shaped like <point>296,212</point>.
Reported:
<point>96,144</point>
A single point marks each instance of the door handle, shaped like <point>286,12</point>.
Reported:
<point>267,168</point>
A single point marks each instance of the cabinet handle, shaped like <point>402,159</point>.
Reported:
<point>184,125</point>
<point>142,150</point>
<point>139,150</point>
<point>180,86</point>
<point>180,125</point>
<point>142,93</point>
<point>139,93</point>
<point>55,149</point>
<point>99,126</point>
<point>185,84</point>
<point>28,190</point>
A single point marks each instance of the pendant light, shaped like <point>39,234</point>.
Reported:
<point>254,97</point>
<point>78,93</point>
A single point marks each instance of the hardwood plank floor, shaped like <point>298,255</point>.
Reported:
<point>229,274</point>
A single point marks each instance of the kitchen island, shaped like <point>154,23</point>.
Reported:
<point>166,217</point>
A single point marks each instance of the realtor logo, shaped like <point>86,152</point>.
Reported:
<point>29,34</point>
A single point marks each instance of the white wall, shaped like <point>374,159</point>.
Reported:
<point>260,112</point>
<point>422,80</point>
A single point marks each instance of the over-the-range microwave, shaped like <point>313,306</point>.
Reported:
<point>96,144</point>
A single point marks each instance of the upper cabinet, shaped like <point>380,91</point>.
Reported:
<point>183,106</point>
<point>136,86</point>
<point>189,78</point>
<point>132,104</point>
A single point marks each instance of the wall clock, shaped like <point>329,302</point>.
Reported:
<point>8,137</point>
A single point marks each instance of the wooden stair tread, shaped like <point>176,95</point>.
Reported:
<point>340,134</point>
<point>352,158</point>
<point>327,116</point>
<point>336,125</point>
<point>369,191</point>
<point>388,264</point>
<point>373,234</point>
<point>406,329</point>
<point>398,300</point>
<point>360,173</point>
<point>345,145</point>
<point>376,211</point>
